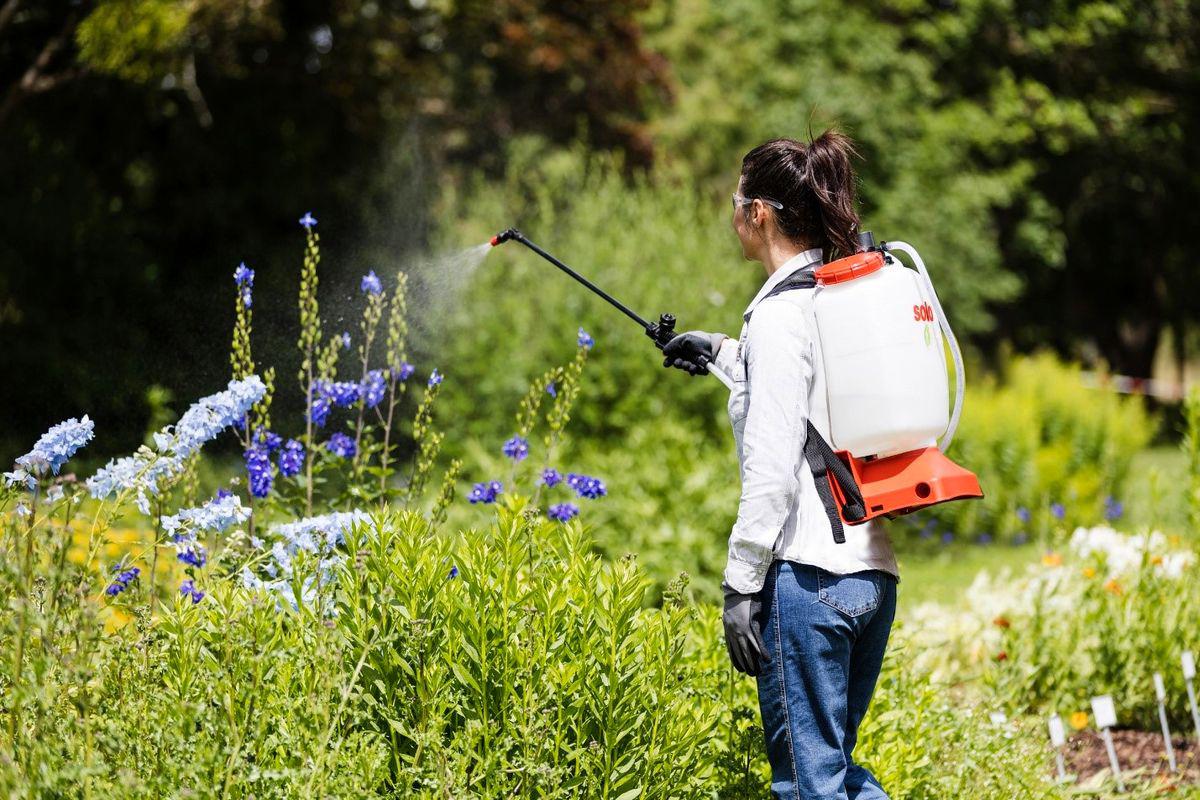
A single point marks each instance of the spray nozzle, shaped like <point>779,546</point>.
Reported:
<point>504,236</point>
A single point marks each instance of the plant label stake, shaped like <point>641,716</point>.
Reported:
<point>1160,693</point>
<point>1058,738</point>
<point>1106,717</point>
<point>1189,674</point>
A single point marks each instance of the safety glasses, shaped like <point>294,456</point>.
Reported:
<point>739,201</point>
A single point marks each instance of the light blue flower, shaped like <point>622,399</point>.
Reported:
<point>371,283</point>
<point>243,278</point>
<point>550,477</point>
<point>343,393</point>
<point>308,220</point>
<point>435,378</point>
<point>404,371</point>
<point>51,451</point>
<point>218,515</point>
<point>345,340</point>
<point>1058,510</point>
<point>373,388</point>
<point>551,389</point>
<point>188,589</point>
<point>585,339</point>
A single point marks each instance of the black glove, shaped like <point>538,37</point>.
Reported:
<point>747,650</point>
<point>692,351</point>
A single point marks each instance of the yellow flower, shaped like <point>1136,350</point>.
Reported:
<point>1052,560</point>
<point>1173,539</point>
<point>1079,720</point>
<point>1111,585</point>
<point>1089,572</point>
<point>1156,560</point>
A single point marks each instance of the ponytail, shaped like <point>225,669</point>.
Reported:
<point>815,183</point>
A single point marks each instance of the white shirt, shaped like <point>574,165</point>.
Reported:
<point>779,384</point>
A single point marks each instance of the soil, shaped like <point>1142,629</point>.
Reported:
<point>1140,754</point>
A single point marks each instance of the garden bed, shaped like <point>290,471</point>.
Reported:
<point>1140,754</point>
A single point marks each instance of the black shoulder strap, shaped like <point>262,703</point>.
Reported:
<point>825,465</point>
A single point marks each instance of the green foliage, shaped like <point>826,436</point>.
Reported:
<point>1191,448</point>
<point>1040,436</point>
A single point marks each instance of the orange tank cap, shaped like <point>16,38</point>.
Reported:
<point>849,268</point>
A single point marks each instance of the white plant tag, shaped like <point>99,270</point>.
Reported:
<point>1189,665</point>
<point>998,717</point>
<point>1160,691</point>
<point>1103,710</point>
<point>1058,736</point>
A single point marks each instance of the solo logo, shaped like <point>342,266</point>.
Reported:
<point>923,313</point>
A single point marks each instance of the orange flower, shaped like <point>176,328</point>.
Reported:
<point>1111,585</point>
<point>1052,559</point>
<point>1002,656</point>
<point>1156,560</point>
<point>1002,622</point>
<point>1089,572</point>
<point>1079,720</point>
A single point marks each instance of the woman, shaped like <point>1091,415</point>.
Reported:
<point>808,616</point>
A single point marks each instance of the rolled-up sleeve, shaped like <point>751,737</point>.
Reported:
<point>779,370</point>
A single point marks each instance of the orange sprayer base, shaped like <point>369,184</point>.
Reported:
<point>903,483</point>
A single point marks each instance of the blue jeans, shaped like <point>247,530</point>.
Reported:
<point>826,635</point>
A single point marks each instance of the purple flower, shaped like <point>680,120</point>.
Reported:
<point>341,445</point>
<point>551,390</point>
<point>191,553</point>
<point>1057,510</point>
<point>586,486</point>
<point>308,220</point>
<point>516,448</point>
<point>453,572</point>
<point>371,283</point>
<point>345,340</point>
<point>435,378</point>
<point>550,477</point>
<point>947,537</point>
<point>243,278</point>
<point>563,511</point>
<point>271,440</point>
<point>188,589</point>
<point>319,410</point>
<point>122,581</point>
<point>485,492</point>
<point>291,458</point>
<point>258,468</point>
<point>1023,514</point>
<point>404,371</point>
<point>585,339</point>
<point>984,538</point>
<point>373,388</point>
<point>1114,509</point>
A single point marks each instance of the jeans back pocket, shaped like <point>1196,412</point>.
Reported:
<point>854,594</point>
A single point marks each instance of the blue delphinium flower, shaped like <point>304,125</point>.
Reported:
<point>586,486</point>
<point>1114,509</point>
<point>345,340</point>
<point>563,511</point>
<point>142,472</point>
<point>551,389</point>
<point>52,449</point>
<point>371,283</point>
<point>308,220</point>
<point>453,572</point>
<point>1023,514</point>
<point>1021,538</point>
<point>320,404</point>
<point>258,470</point>
<point>516,448</point>
<point>485,492</point>
<point>343,393</point>
<point>291,458</point>
<point>122,581</point>
<point>373,388</point>
<point>585,339</point>
<point>341,445</point>
<point>550,477</point>
<point>947,537</point>
<point>1057,510</point>
<point>268,439</point>
<point>404,371</point>
<point>435,378</point>
<point>191,552</point>
<point>243,278</point>
<point>188,589</point>
<point>984,538</point>
<point>219,514</point>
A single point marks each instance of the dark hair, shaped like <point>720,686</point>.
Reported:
<point>816,185</point>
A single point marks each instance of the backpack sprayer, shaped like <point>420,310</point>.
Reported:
<point>880,331</point>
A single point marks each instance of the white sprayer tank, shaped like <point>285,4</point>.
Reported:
<point>885,366</point>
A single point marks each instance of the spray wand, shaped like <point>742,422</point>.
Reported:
<point>659,332</point>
